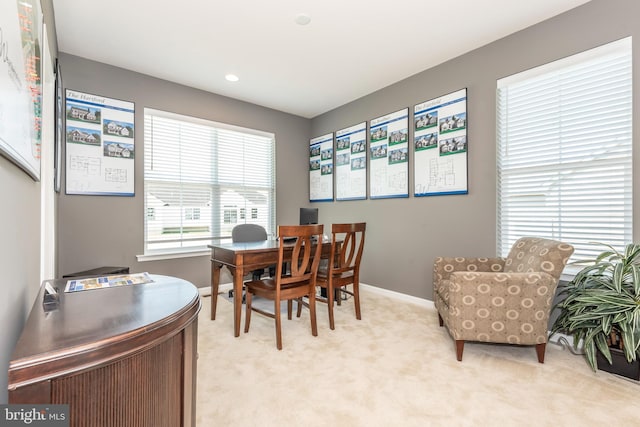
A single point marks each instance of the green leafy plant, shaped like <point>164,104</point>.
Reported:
<point>602,303</point>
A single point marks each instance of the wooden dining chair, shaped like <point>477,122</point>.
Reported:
<point>343,268</point>
<point>299,282</point>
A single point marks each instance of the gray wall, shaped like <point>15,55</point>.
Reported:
<point>109,231</point>
<point>19,258</point>
<point>405,235</point>
<point>19,245</point>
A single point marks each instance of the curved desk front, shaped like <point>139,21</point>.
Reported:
<point>119,356</point>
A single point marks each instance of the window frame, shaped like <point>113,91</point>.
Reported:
<point>584,249</point>
<point>219,185</point>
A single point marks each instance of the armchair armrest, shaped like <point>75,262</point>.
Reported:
<point>444,266</point>
<point>503,297</point>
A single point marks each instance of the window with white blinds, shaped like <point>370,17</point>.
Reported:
<point>564,140</point>
<point>200,178</point>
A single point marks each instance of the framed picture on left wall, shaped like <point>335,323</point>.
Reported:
<point>21,84</point>
<point>57,167</point>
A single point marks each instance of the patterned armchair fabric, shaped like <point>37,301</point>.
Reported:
<point>500,300</point>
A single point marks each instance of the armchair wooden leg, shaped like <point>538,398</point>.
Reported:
<point>540,348</point>
<point>459,349</point>
<point>440,320</point>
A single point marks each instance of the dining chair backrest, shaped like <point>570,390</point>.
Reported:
<point>347,245</point>
<point>305,252</point>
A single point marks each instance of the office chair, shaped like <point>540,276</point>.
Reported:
<point>246,233</point>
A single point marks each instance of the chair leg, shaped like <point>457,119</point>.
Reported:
<point>330,295</point>
<point>247,319</point>
<point>356,299</point>
<point>312,313</point>
<point>459,349</point>
<point>299,311</point>
<point>540,348</point>
<point>276,312</point>
<point>289,308</point>
<point>440,320</point>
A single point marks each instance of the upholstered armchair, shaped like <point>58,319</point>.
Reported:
<point>500,300</point>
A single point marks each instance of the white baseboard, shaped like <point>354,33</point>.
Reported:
<point>224,287</point>
<point>205,291</point>
<point>397,295</point>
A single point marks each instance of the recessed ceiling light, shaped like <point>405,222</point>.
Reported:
<point>303,19</point>
<point>231,78</point>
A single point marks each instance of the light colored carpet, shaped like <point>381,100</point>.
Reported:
<point>395,367</point>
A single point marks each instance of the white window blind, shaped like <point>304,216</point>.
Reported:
<point>198,176</point>
<point>564,135</point>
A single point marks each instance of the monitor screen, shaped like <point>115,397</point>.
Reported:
<point>308,216</point>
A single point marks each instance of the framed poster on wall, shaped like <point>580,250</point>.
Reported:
<point>440,145</point>
<point>59,129</point>
<point>321,168</point>
<point>389,154</point>
<point>21,84</point>
<point>100,145</point>
<point>351,163</point>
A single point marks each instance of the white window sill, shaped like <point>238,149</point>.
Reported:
<point>173,255</point>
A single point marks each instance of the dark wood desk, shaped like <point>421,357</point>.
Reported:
<point>118,356</point>
<point>241,258</point>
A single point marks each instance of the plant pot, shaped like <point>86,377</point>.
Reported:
<point>619,365</point>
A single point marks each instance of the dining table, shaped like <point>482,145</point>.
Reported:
<point>242,258</point>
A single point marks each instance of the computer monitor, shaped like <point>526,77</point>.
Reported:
<point>308,216</point>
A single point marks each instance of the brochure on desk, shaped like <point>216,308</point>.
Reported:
<point>76,285</point>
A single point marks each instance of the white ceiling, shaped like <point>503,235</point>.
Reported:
<point>350,49</point>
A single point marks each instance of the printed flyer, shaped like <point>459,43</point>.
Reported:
<point>100,145</point>
<point>76,285</point>
<point>389,153</point>
<point>351,163</point>
<point>440,145</point>
<point>321,168</point>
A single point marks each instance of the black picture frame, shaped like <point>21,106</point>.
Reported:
<point>59,123</point>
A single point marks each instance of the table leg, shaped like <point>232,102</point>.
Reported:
<point>237,298</point>
<point>215,283</point>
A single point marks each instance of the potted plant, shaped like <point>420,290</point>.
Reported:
<point>600,307</point>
